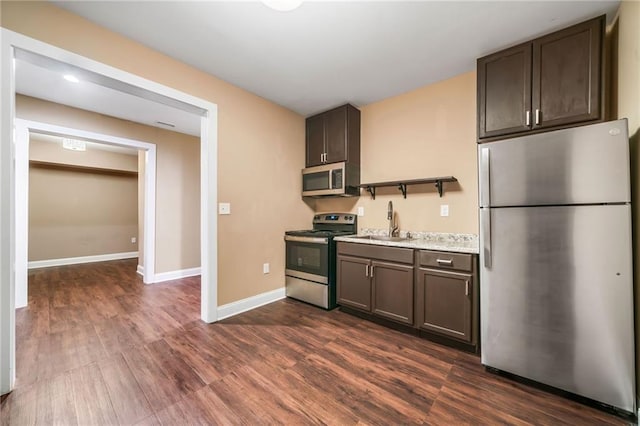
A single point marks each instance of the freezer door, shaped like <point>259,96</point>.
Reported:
<point>557,299</point>
<point>582,165</point>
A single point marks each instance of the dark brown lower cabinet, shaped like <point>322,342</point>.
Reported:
<point>430,293</point>
<point>377,280</point>
<point>393,291</point>
<point>354,288</point>
<point>447,296</point>
<point>444,303</point>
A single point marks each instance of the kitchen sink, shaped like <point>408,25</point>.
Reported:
<point>378,238</point>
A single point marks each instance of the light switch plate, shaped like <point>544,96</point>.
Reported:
<point>444,210</point>
<point>224,208</point>
<point>265,268</point>
<point>360,211</point>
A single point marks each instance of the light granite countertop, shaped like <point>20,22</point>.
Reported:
<point>441,241</point>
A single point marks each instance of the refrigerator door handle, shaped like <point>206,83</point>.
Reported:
<point>485,194</point>
<point>485,219</point>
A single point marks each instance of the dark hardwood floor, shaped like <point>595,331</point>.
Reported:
<point>97,346</point>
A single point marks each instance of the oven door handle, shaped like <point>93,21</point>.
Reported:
<point>311,240</point>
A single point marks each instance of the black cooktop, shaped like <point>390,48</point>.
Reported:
<point>320,233</point>
<point>329,225</point>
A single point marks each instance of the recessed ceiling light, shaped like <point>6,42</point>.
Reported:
<point>71,78</point>
<point>282,5</point>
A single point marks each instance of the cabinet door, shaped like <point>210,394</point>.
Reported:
<point>504,92</point>
<point>335,128</point>
<point>393,291</point>
<point>315,140</point>
<point>353,282</point>
<point>566,75</point>
<point>444,303</point>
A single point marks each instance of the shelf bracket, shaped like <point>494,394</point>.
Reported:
<point>439,187</point>
<point>372,191</point>
<point>403,187</point>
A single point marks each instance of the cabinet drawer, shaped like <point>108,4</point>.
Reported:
<point>445,260</point>
<point>391,254</point>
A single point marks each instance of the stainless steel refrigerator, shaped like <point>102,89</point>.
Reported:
<point>556,261</point>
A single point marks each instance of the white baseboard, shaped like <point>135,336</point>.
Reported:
<point>244,305</point>
<point>83,259</point>
<point>175,275</point>
<point>140,270</point>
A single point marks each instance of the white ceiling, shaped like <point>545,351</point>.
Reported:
<point>46,82</point>
<point>318,56</point>
<point>324,53</point>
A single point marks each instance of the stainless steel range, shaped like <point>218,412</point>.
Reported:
<point>310,274</point>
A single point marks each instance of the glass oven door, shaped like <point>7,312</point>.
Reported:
<point>307,258</point>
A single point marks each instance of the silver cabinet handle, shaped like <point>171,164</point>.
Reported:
<point>372,271</point>
<point>537,116</point>
<point>528,119</point>
<point>485,221</point>
<point>466,288</point>
<point>485,193</point>
<point>366,270</point>
<point>321,158</point>
<point>444,262</point>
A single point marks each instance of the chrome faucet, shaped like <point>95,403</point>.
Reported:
<point>393,225</point>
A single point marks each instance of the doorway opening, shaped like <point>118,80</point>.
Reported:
<point>24,128</point>
<point>14,45</point>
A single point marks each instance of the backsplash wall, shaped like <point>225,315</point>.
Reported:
<point>428,132</point>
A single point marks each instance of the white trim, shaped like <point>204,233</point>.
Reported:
<point>35,264</point>
<point>21,214</point>
<point>9,40</point>
<point>244,305</point>
<point>140,270</point>
<point>209,216</point>
<point>176,275</point>
<point>7,217</point>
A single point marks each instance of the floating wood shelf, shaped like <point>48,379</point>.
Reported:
<point>402,184</point>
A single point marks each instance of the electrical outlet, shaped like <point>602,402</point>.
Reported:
<point>224,208</point>
<point>360,211</point>
<point>444,210</point>
<point>265,268</point>
<point>133,240</point>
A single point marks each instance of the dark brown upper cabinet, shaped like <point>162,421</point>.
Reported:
<point>333,136</point>
<point>550,82</point>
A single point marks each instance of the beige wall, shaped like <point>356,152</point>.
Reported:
<point>80,212</point>
<point>178,176</point>
<point>628,105</point>
<point>424,133</point>
<point>260,153</point>
<point>74,213</point>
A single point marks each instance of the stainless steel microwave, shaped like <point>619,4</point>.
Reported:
<point>337,179</point>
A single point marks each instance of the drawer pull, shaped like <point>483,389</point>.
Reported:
<point>448,262</point>
<point>466,288</point>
